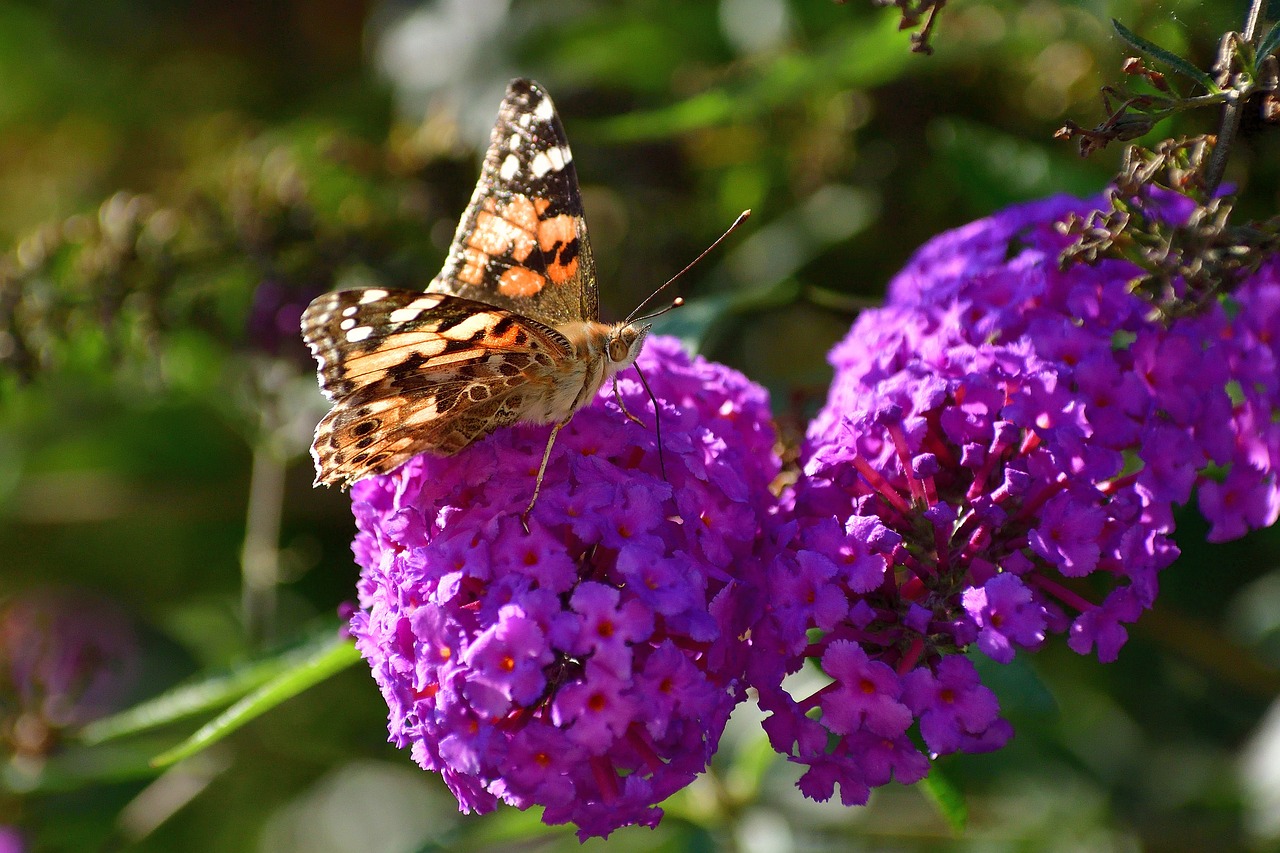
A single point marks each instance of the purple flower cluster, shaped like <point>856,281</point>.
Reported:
<point>65,658</point>
<point>998,461</point>
<point>11,840</point>
<point>589,664</point>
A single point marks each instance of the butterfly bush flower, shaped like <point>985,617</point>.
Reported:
<point>998,461</point>
<point>66,658</point>
<point>11,840</point>
<point>589,664</point>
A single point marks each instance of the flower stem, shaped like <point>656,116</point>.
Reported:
<point>260,556</point>
<point>1232,112</point>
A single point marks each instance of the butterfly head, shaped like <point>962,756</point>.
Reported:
<point>624,344</point>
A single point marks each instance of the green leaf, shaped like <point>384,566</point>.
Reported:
<point>869,58</point>
<point>1158,53</point>
<point>331,658</point>
<point>946,798</point>
<point>1269,43</point>
<point>216,691</point>
<point>1021,689</point>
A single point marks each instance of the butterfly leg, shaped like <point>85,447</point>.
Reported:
<point>542,470</point>
<point>657,421</point>
<point>657,417</point>
<point>621,405</point>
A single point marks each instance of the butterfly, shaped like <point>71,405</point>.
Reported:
<point>508,332</point>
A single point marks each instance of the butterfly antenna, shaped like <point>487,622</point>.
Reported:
<point>675,303</point>
<point>742,217</point>
<point>657,421</point>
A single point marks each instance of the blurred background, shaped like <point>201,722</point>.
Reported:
<point>178,179</point>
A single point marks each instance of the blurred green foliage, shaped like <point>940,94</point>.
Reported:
<point>181,177</point>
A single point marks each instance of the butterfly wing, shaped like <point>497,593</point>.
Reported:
<point>411,372</point>
<point>522,242</point>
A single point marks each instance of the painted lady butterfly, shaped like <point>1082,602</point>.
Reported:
<point>508,331</point>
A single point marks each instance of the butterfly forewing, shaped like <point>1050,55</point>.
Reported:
<point>522,242</point>
<point>412,372</point>
<point>507,332</point>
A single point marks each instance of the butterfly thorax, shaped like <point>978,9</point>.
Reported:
<point>600,350</point>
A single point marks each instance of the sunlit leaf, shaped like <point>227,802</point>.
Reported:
<point>215,691</point>
<point>947,799</point>
<point>323,662</point>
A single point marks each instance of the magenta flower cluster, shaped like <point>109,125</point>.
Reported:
<point>589,664</point>
<point>66,658</point>
<point>11,840</point>
<point>998,461</point>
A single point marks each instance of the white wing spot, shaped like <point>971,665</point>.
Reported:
<point>510,167</point>
<point>407,314</point>
<point>469,326</point>
<point>348,324</point>
<point>515,143</point>
<point>544,111</point>
<point>541,164</point>
<point>358,334</point>
<point>373,294</point>
<point>349,311</point>
<point>556,156</point>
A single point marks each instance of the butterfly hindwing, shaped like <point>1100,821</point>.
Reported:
<point>382,428</point>
<point>522,242</point>
<point>411,372</point>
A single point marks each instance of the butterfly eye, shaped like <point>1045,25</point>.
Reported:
<point>618,349</point>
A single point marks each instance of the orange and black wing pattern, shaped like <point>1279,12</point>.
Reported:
<point>412,372</point>
<point>522,242</point>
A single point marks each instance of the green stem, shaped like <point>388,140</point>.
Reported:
<point>260,557</point>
